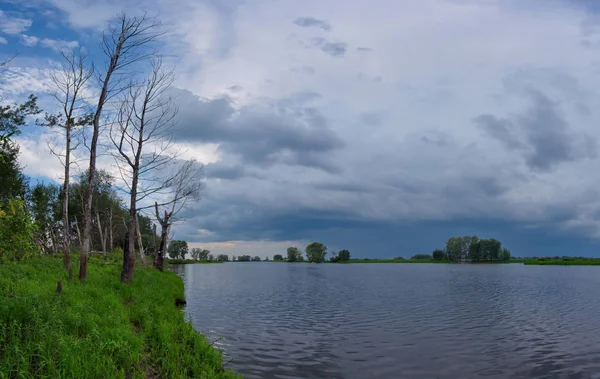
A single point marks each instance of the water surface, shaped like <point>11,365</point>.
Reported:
<point>279,320</point>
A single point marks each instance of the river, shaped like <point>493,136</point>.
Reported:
<point>356,321</point>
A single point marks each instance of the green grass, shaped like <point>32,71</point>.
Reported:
<point>99,328</point>
<point>188,261</point>
<point>563,262</point>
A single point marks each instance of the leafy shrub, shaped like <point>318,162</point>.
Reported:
<point>16,231</point>
<point>117,252</point>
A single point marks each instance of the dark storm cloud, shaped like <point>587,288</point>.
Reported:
<point>541,133</point>
<point>221,170</point>
<point>589,5</point>
<point>500,129</point>
<point>310,22</point>
<point>287,131</point>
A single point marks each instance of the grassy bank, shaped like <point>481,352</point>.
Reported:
<point>100,328</point>
<point>563,262</point>
<point>188,261</point>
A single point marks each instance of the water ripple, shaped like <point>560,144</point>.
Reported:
<point>399,321</point>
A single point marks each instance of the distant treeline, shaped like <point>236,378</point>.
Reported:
<point>471,249</point>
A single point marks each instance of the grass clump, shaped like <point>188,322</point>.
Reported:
<point>100,328</point>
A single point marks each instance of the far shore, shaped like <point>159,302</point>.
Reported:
<point>565,261</point>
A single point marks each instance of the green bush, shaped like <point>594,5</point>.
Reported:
<point>16,232</point>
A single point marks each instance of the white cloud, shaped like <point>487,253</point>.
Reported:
<point>58,44</point>
<point>13,24</point>
<point>29,40</point>
<point>3,41</point>
<point>36,158</point>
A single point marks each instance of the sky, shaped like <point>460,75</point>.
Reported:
<point>383,127</point>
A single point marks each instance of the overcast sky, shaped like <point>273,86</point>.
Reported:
<point>383,126</point>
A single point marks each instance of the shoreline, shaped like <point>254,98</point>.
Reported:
<point>100,327</point>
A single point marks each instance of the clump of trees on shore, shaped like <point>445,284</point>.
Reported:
<point>130,116</point>
<point>471,249</point>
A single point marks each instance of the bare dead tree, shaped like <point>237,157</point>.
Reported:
<point>185,186</point>
<point>69,83</point>
<point>125,44</point>
<point>141,137</point>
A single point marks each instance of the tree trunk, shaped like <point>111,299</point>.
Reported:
<point>129,254</point>
<point>164,230</point>
<point>87,214</point>
<point>110,230</point>
<point>156,249</point>
<point>104,242</point>
<point>66,225</point>
<point>53,239</point>
<point>139,238</point>
<point>78,231</point>
<point>102,235</point>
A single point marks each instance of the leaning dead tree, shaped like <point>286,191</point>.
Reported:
<point>185,187</point>
<point>143,148</point>
<point>68,86</point>
<point>125,44</point>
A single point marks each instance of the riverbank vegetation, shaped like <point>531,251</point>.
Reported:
<point>107,322</point>
<point>100,328</point>
<point>563,261</point>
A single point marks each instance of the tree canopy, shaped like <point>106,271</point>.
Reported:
<point>293,254</point>
<point>316,252</point>
<point>472,249</point>
<point>178,249</point>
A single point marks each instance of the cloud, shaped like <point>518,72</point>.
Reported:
<point>335,49</point>
<point>29,40</point>
<point>220,170</point>
<point>379,151</point>
<point>541,133</point>
<point>3,41</point>
<point>13,24</point>
<point>287,131</point>
<point>310,22</point>
<point>58,44</point>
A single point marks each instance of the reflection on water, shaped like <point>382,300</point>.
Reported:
<point>278,320</point>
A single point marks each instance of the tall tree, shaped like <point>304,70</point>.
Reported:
<point>69,83</point>
<point>185,185</point>
<point>344,255</point>
<point>293,254</point>
<point>144,122</point>
<point>123,45</point>
<point>316,252</point>
<point>178,249</point>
